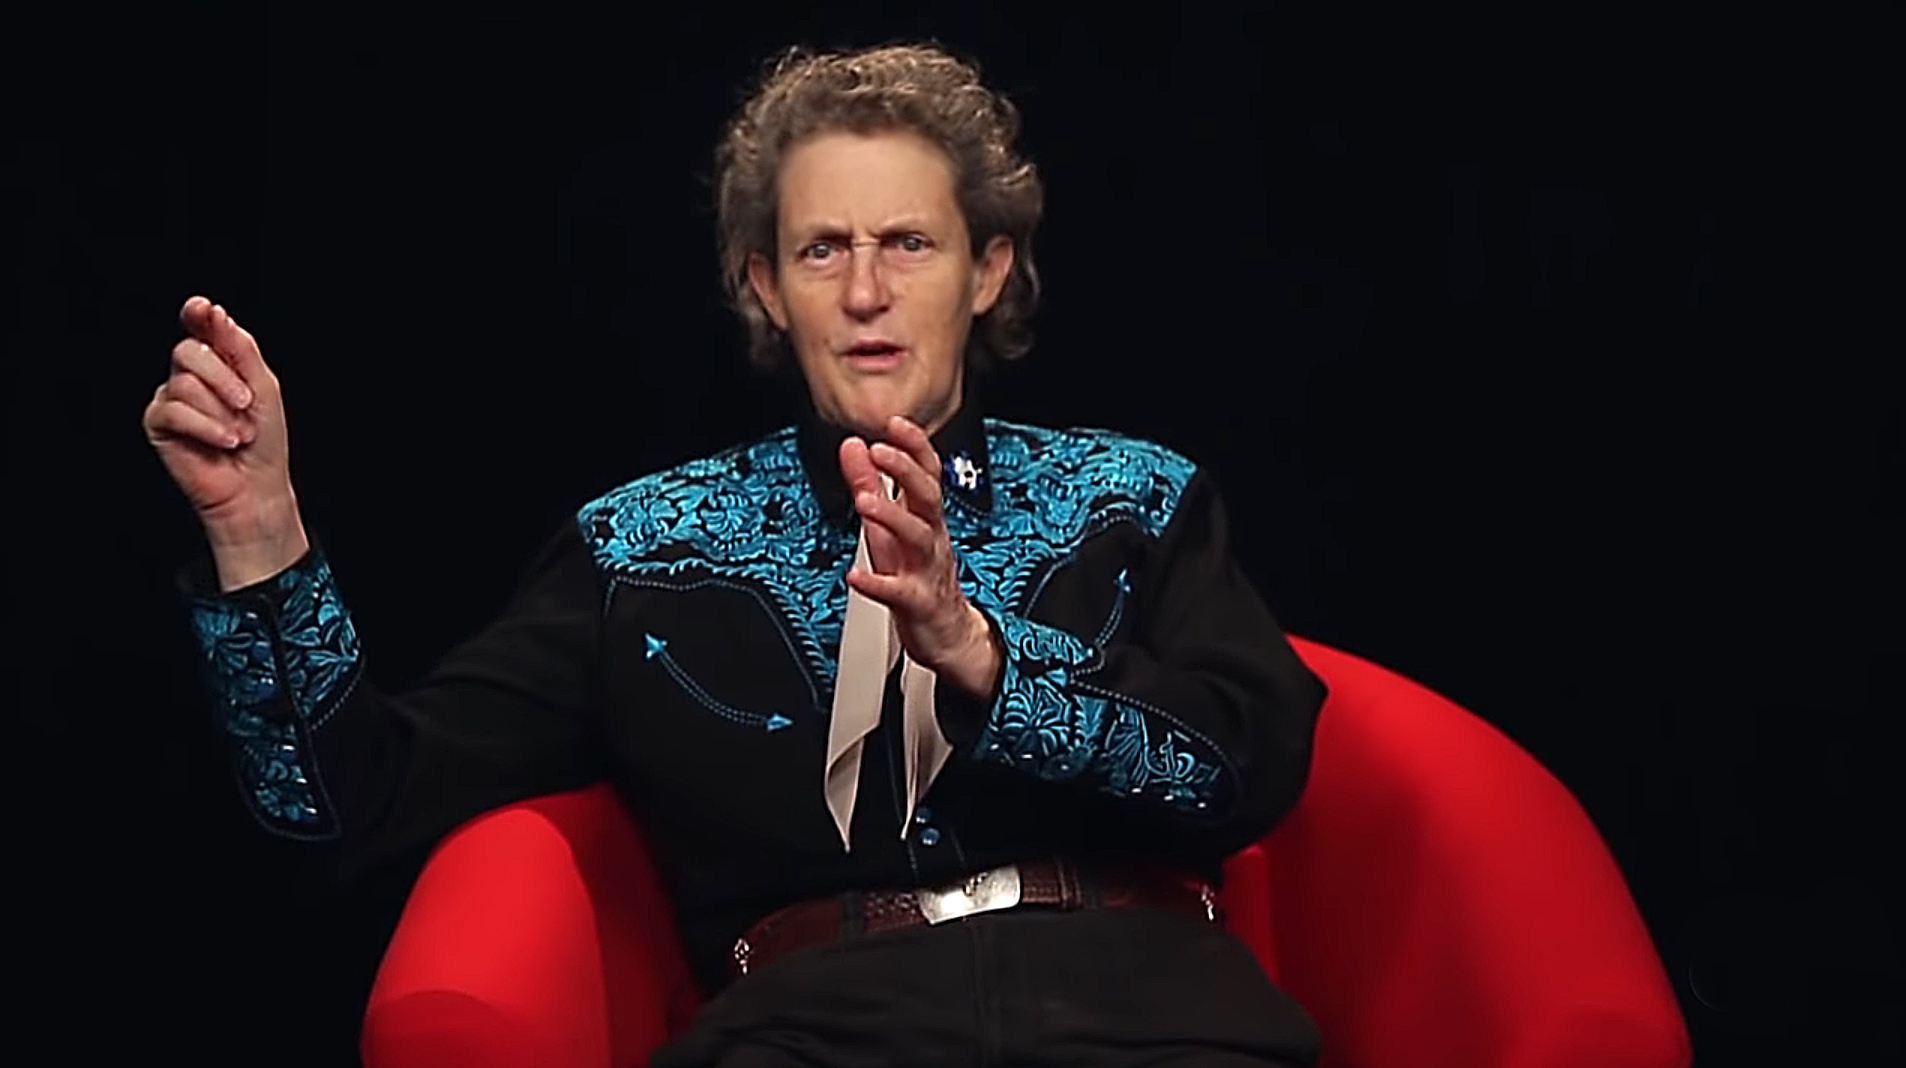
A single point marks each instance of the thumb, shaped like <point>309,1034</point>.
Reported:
<point>857,467</point>
<point>212,324</point>
<point>236,345</point>
<point>195,317</point>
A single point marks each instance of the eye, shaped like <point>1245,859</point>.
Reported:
<point>817,252</point>
<point>913,243</point>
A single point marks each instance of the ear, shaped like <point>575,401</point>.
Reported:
<point>767,288</point>
<point>990,272</point>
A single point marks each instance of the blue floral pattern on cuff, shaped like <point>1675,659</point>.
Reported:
<point>1047,724</point>
<point>272,695</point>
<point>319,640</point>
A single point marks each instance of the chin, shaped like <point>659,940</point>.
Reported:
<point>864,405</point>
<point>869,415</point>
<point>872,422</point>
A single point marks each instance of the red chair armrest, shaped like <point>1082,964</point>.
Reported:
<point>1441,899</point>
<point>536,935</point>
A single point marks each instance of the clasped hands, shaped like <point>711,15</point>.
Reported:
<point>914,571</point>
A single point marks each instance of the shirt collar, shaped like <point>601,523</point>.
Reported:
<point>966,477</point>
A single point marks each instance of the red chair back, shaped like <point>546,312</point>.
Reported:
<point>1435,898</point>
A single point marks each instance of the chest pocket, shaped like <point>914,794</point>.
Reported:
<point>1088,592</point>
<point>1122,587</point>
<point>656,649</point>
<point>709,699</point>
<point>722,645</point>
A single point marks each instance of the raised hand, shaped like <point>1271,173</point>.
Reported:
<point>914,571</point>
<point>218,425</point>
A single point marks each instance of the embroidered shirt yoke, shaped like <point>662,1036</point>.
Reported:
<point>679,638</point>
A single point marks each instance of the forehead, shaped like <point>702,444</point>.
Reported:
<point>854,179</point>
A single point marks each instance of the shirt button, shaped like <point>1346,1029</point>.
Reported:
<point>923,815</point>
<point>929,836</point>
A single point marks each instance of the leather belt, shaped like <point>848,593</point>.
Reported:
<point>1056,882</point>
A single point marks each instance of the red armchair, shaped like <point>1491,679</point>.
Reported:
<point>1435,899</point>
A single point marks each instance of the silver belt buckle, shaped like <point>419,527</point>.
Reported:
<point>985,891</point>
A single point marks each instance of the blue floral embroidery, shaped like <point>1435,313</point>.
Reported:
<point>310,665</point>
<point>1060,488</point>
<point>269,767</point>
<point>749,514</point>
<point>1058,729</point>
<point>1169,770</point>
<point>319,639</point>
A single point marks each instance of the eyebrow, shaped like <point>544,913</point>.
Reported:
<point>834,231</point>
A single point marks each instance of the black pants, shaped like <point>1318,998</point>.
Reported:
<point>1104,988</point>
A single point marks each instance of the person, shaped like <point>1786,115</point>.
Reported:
<point>1077,706</point>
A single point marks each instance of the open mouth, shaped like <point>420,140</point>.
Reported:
<point>875,354</point>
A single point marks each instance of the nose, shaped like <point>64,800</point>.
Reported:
<point>866,294</point>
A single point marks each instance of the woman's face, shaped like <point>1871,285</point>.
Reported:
<point>874,280</point>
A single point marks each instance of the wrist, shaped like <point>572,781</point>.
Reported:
<point>256,543</point>
<point>259,519</point>
<point>977,672</point>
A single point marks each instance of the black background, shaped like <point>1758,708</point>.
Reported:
<point>1520,346</point>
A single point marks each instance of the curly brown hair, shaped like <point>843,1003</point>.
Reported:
<point>915,87</point>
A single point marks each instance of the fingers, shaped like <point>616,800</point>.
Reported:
<point>885,553</point>
<point>897,592</point>
<point>172,417</point>
<point>195,317</point>
<point>203,364</point>
<point>212,325</point>
<point>195,394</point>
<point>857,468</point>
<point>911,527</point>
<point>911,439</point>
<point>920,487</point>
<point>237,345</point>
<point>911,531</point>
<point>908,458</point>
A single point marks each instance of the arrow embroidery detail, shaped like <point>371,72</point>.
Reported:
<point>658,649</point>
<point>1118,607</point>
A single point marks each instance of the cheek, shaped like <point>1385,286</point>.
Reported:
<point>810,327</point>
<point>806,309</point>
<point>946,303</point>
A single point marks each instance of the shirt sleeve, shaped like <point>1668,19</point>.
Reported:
<point>1199,719</point>
<point>321,753</point>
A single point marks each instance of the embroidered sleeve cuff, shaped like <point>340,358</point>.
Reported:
<point>1046,722</point>
<point>279,657</point>
<point>962,714</point>
<point>1032,725</point>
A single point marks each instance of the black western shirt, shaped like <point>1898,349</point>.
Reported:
<point>678,638</point>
